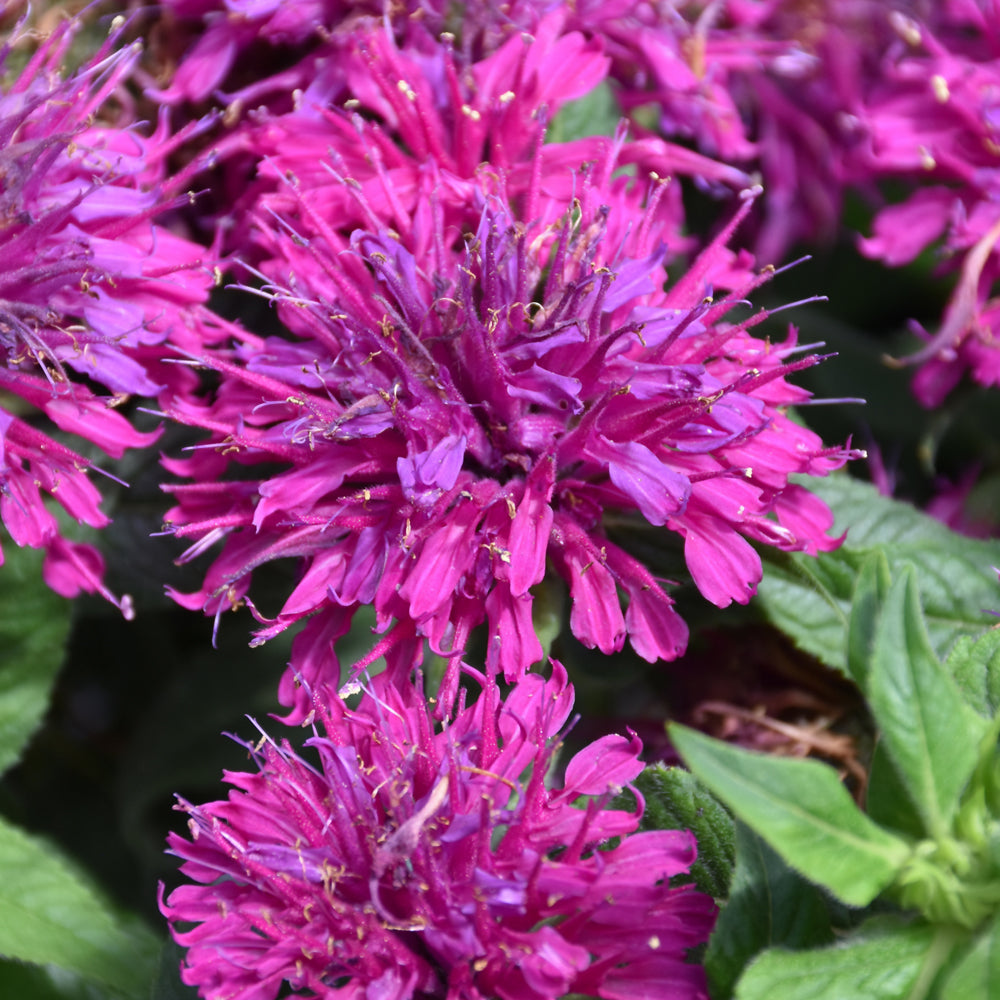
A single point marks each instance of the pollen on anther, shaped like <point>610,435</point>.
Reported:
<point>905,27</point>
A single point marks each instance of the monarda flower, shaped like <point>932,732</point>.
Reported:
<point>397,859</point>
<point>458,430</point>
<point>934,121</point>
<point>771,86</point>
<point>89,289</point>
<point>376,126</point>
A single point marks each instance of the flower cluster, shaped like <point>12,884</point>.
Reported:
<point>814,99</point>
<point>393,116</point>
<point>497,367</point>
<point>405,860</point>
<point>90,288</point>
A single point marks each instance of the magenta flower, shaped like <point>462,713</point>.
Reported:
<point>408,860</point>
<point>397,121</point>
<point>458,429</point>
<point>771,86</point>
<point>219,33</point>
<point>89,289</point>
<point>215,36</point>
<point>934,120</point>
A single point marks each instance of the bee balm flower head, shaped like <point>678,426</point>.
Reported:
<point>88,288</point>
<point>405,860</point>
<point>520,405</point>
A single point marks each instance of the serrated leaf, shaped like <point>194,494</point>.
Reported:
<point>769,904</point>
<point>929,732</point>
<point>809,598</point>
<point>676,800</point>
<point>870,590</point>
<point>975,665</point>
<point>803,811</point>
<point>883,961</point>
<point>50,916</point>
<point>977,975</point>
<point>34,627</point>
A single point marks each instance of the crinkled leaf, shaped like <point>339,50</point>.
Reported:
<point>34,626</point>
<point>676,800</point>
<point>870,592</point>
<point>769,904</point>
<point>975,665</point>
<point>929,732</point>
<point>50,916</point>
<point>803,811</point>
<point>809,598</point>
<point>885,960</point>
<point>977,975</point>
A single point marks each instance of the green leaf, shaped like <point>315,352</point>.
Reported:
<point>34,626</point>
<point>50,916</point>
<point>809,598</point>
<point>975,665</point>
<point>676,800</point>
<point>977,975</point>
<point>803,811</point>
<point>929,732</point>
<point>870,592</point>
<point>888,802</point>
<point>887,959</point>
<point>596,113</point>
<point>33,982</point>
<point>168,985</point>
<point>769,904</point>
